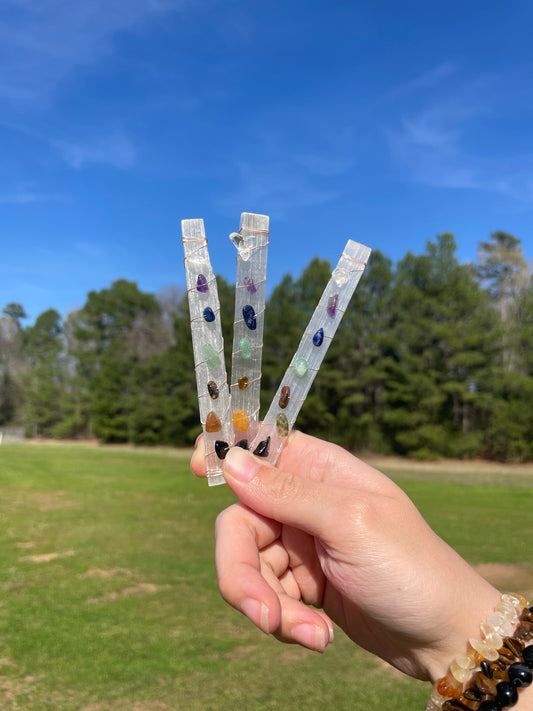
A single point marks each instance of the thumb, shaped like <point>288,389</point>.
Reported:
<point>304,503</point>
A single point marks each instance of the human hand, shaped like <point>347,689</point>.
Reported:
<point>324,529</point>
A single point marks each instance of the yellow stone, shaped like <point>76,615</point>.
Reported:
<point>241,420</point>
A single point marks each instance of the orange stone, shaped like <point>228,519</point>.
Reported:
<point>241,420</point>
<point>449,686</point>
<point>243,383</point>
<point>212,423</point>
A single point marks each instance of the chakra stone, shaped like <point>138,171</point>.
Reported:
<point>498,671</point>
<point>242,443</point>
<point>211,357</point>
<point>516,646</point>
<point>212,423</point>
<point>340,276</point>
<point>263,448</point>
<point>527,614</point>
<point>519,601</point>
<point>221,448</point>
<point>245,348</point>
<point>318,338</point>
<point>249,284</point>
<point>472,695</point>
<point>248,315</point>
<point>331,308</point>
<point>212,389</point>
<point>506,694</point>
<point>284,397</point>
<point>460,673</point>
<point>243,383</point>
<point>301,367</point>
<point>282,425</point>
<point>520,675</point>
<point>201,284</point>
<point>500,623</point>
<point>241,420</point>
<point>524,631</point>
<point>209,314</point>
<point>492,638</point>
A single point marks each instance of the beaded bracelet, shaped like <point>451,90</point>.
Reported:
<point>487,676</point>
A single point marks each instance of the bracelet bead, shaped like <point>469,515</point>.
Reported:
<point>487,677</point>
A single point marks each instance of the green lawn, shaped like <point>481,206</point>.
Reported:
<point>109,602</point>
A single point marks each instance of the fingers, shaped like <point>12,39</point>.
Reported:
<point>309,505</point>
<point>254,577</point>
<point>198,458</point>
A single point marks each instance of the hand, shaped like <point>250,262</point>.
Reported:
<point>324,529</point>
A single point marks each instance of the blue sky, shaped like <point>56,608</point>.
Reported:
<point>384,122</point>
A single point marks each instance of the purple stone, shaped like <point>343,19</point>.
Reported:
<point>331,308</point>
<point>249,284</point>
<point>201,284</point>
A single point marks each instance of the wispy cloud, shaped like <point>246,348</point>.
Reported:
<point>43,42</point>
<point>442,142</point>
<point>27,194</point>
<point>114,150</point>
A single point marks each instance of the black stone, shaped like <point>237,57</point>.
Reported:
<point>485,668</point>
<point>491,705</point>
<point>263,448</point>
<point>527,656</point>
<point>221,448</point>
<point>520,675</point>
<point>506,694</point>
<point>242,443</point>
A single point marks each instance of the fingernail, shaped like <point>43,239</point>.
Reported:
<point>331,632</point>
<point>240,464</point>
<point>310,636</point>
<point>257,612</point>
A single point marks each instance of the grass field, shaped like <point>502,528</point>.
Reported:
<point>108,599</point>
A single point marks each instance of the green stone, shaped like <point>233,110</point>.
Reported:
<point>245,348</point>
<point>282,425</point>
<point>211,357</point>
<point>301,367</point>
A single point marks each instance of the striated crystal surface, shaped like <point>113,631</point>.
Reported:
<point>245,348</point>
<point>282,426</point>
<point>221,448</point>
<point>284,396</point>
<point>209,314</point>
<point>211,357</point>
<point>241,420</point>
<point>201,284</point>
<point>318,338</point>
<point>212,389</point>
<point>262,448</point>
<point>249,284</point>
<point>331,308</point>
<point>243,383</point>
<point>248,314</point>
<point>301,367</point>
<point>212,422</point>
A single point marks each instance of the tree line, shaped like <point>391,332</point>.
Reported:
<point>434,358</point>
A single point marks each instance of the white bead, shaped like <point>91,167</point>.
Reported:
<point>489,653</point>
<point>501,624</point>
<point>492,638</point>
<point>464,661</point>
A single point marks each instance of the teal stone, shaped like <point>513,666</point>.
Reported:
<point>245,348</point>
<point>301,368</point>
<point>211,357</point>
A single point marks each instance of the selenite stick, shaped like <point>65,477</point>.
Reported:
<point>251,242</point>
<point>208,346</point>
<point>313,346</point>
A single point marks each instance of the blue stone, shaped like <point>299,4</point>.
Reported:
<point>318,337</point>
<point>209,314</point>
<point>248,315</point>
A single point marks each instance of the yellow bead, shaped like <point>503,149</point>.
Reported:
<point>485,650</point>
<point>460,673</point>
